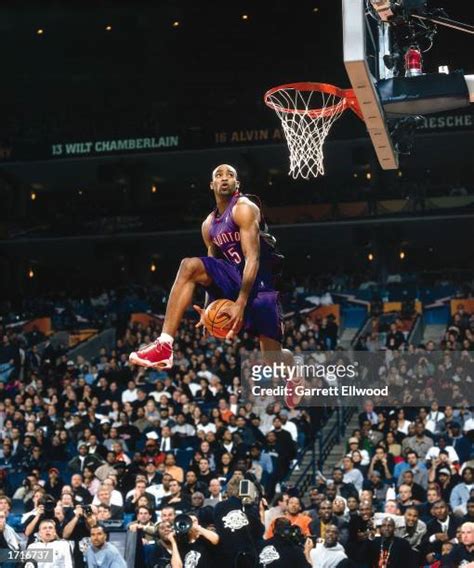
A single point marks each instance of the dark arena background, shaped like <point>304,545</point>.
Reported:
<point>114,116</point>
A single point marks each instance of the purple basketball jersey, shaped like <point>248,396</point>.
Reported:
<point>225,234</point>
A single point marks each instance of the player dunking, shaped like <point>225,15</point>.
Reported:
<point>236,232</point>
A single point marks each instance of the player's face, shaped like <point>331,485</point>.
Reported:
<point>224,180</point>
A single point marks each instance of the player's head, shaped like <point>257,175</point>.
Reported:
<point>225,181</point>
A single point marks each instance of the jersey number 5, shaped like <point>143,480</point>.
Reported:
<point>233,255</point>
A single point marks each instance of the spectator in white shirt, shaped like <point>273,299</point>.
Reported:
<point>48,540</point>
<point>288,425</point>
<point>352,475</point>
<point>130,394</point>
<point>433,452</point>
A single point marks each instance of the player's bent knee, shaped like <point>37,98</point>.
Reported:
<point>189,266</point>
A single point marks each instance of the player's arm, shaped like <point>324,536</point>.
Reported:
<point>210,246</point>
<point>246,215</point>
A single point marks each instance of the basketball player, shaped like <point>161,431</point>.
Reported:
<point>235,231</point>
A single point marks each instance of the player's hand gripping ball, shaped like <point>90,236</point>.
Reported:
<point>216,318</point>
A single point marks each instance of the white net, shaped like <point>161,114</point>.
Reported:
<point>306,123</point>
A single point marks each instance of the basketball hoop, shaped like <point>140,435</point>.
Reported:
<point>307,112</point>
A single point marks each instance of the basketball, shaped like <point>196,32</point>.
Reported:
<point>216,319</point>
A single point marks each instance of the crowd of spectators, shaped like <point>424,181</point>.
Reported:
<point>93,441</point>
<point>96,446</point>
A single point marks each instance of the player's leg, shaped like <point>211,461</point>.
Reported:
<point>191,273</point>
<point>159,354</point>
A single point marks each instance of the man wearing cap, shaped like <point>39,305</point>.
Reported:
<point>353,444</point>
<point>54,484</point>
<point>288,425</point>
<point>375,484</point>
<point>103,471</point>
<point>153,476</point>
<point>152,452</point>
<point>84,459</point>
<point>445,482</point>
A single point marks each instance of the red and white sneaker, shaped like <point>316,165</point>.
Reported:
<point>156,355</point>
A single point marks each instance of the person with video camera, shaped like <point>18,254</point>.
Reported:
<point>239,528</point>
<point>195,543</point>
<point>285,548</point>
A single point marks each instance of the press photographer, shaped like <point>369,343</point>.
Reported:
<point>238,525</point>
<point>285,548</point>
<point>44,510</point>
<point>78,530</point>
<point>195,543</point>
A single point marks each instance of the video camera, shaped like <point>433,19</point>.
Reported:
<point>248,492</point>
<point>291,533</point>
<point>413,24</point>
<point>391,11</point>
<point>49,504</point>
<point>182,525</point>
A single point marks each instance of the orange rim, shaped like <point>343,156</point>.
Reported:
<point>347,96</point>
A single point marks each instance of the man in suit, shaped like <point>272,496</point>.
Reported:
<point>441,529</point>
<point>368,414</point>
<point>215,493</point>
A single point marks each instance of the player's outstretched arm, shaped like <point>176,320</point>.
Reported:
<point>246,215</point>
